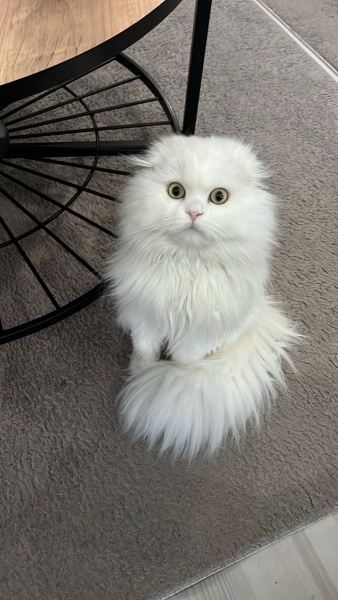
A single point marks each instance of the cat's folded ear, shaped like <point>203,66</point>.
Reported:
<point>251,166</point>
<point>146,160</point>
<point>257,171</point>
<point>156,154</point>
<point>141,161</point>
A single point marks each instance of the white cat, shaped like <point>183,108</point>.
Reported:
<point>190,270</point>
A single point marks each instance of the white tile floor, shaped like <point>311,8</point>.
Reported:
<point>303,566</point>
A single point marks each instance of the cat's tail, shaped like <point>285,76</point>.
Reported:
<point>187,408</point>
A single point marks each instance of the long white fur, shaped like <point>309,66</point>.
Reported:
<point>201,291</point>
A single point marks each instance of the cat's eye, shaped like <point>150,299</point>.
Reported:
<point>176,190</point>
<point>218,196</point>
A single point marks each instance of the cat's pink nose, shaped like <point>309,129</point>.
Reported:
<point>193,215</point>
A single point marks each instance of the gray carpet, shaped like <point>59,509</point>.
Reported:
<point>316,22</point>
<point>87,515</point>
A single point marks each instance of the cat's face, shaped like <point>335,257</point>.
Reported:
<point>194,192</point>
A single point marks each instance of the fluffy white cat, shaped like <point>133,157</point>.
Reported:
<point>189,272</point>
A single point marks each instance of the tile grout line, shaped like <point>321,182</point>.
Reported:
<point>244,575</point>
<point>315,566</point>
<point>320,60</point>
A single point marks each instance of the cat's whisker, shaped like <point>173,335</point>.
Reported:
<point>148,229</point>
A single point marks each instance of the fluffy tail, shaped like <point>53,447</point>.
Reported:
<point>187,408</point>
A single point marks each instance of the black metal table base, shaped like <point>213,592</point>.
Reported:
<point>23,153</point>
<point>69,127</point>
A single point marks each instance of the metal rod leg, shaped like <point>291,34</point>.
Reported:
<point>197,53</point>
<point>45,149</point>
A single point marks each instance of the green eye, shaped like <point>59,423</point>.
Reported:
<point>176,190</point>
<point>218,196</point>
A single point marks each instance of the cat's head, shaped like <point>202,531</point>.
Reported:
<point>194,192</point>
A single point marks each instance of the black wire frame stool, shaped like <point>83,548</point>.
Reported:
<point>23,137</point>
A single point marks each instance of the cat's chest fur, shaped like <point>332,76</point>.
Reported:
<point>184,292</point>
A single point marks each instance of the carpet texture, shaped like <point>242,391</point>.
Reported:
<point>86,514</point>
<point>316,22</point>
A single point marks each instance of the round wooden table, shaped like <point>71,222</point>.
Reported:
<point>49,52</point>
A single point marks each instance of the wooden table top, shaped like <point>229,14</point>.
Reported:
<point>37,34</point>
